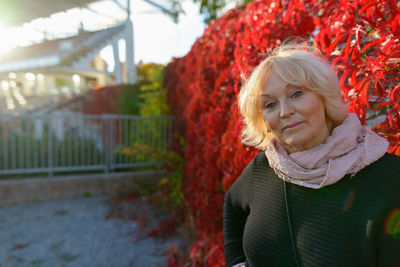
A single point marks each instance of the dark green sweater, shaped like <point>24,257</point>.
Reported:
<point>354,222</point>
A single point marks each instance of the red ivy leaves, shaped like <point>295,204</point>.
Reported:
<point>359,37</point>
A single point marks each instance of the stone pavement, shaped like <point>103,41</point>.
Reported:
<point>75,232</point>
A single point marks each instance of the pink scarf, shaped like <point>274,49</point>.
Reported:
<point>350,148</point>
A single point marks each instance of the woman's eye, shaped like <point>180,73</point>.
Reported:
<point>297,94</point>
<point>270,105</point>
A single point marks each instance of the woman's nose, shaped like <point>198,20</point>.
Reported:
<point>286,109</point>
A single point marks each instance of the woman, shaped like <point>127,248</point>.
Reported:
<point>323,192</point>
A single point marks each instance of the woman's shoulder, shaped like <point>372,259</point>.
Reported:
<point>257,164</point>
<point>385,172</point>
<point>388,163</point>
<point>260,160</point>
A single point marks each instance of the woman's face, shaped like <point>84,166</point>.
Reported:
<point>295,116</point>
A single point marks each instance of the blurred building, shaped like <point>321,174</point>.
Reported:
<point>62,60</point>
<point>69,64</point>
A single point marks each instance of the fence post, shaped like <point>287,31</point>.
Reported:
<point>50,148</point>
<point>106,123</point>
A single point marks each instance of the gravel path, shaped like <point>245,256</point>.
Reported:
<point>74,232</point>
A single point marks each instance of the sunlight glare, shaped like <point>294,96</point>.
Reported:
<point>5,85</point>
<point>76,78</point>
<point>30,76</point>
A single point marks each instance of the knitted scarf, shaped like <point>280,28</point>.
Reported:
<point>350,148</point>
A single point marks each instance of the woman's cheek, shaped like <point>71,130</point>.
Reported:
<point>270,121</point>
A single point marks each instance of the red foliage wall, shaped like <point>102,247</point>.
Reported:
<point>98,101</point>
<point>361,38</point>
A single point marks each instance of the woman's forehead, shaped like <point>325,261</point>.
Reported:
<point>274,84</point>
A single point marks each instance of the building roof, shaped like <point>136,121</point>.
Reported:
<point>57,52</point>
<point>17,12</point>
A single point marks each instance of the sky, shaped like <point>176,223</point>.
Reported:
<point>156,37</point>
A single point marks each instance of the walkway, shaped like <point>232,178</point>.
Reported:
<point>75,232</point>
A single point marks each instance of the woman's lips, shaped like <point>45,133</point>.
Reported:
<point>292,125</point>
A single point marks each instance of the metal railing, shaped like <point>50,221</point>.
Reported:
<point>54,143</point>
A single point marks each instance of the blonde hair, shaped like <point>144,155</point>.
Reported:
<point>297,65</point>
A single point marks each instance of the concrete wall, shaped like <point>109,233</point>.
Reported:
<point>14,191</point>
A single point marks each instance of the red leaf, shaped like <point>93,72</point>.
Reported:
<point>347,48</point>
<point>367,5</point>
<point>20,246</point>
<point>368,45</point>
<point>363,88</point>
<point>395,94</point>
<point>383,104</point>
<point>334,43</point>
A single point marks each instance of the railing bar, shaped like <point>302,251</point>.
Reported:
<point>5,144</point>
<point>76,138</point>
<point>29,141</point>
<point>106,144</point>
<point>56,148</point>
<point>141,135</point>
<point>36,149</point>
<point>66,142</point>
<point>148,137</point>
<point>69,143</point>
<point>112,142</point>
<point>21,144</point>
<point>165,128</point>
<point>169,135</point>
<point>151,134</point>
<point>102,143</point>
<point>131,139</point>
<point>96,126</point>
<point>119,144</point>
<point>12,146</point>
<point>82,143</point>
<point>103,135</point>
<point>137,135</point>
<point>93,148</point>
<point>87,145</point>
<point>53,145</point>
<point>51,160</point>
<point>90,146</point>
<point>63,143</point>
<point>128,138</point>
<point>126,133</point>
<point>144,131</point>
<point>2,142</point>
<point>34,146</point>
<point>155,135</point>
<point>159,134</point>
<point>43,142</point>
